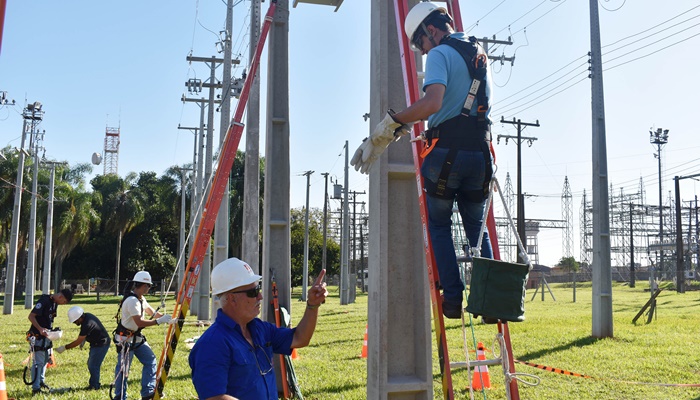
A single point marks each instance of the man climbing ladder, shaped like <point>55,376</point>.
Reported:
<point>457,163</point>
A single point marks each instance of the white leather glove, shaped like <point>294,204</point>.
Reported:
<point>371,148</point>
<point>165,319</point>
<point>61,349</point>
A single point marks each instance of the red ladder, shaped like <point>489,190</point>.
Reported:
<point>211,209</point>
<point>412,95</point>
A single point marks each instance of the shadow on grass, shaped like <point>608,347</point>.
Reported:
<point>584,341</point>
<point>321,344</point>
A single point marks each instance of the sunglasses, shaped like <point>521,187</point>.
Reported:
<point>418,40</point>
<point>252,293</point>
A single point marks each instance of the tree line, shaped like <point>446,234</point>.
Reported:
<point>135,218</point>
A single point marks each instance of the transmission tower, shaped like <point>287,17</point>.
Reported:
<point>567,214</point>
<point>509,241</point>
<point>586,229</point>
<point>111,151</point>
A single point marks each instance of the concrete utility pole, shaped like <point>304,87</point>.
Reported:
<point>520,196</point>
<point>602,324</point>
<point>30,283</point>
<point>250,246</point>
<point>32,116</point>
<point>305,275</point>
<point>325,220</point>
<point>632,277</point>
<point>399,361</point>
<point>181,252</point>
<point>221,229</point>
<point>194,192</point>
<point>46,276</point>
<point>344,272</point>
<point>659,138</point>
<point>353,270</point>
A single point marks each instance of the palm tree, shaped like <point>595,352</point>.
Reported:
<point>123,209</point>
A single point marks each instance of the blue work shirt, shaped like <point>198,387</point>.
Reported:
<point>223,362</point>
<point>444,66</point>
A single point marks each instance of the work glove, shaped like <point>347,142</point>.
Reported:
<point>60,349</point>
<point>371,148</point>
<point>165,319</point>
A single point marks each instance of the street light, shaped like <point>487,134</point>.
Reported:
<point>659,138</point>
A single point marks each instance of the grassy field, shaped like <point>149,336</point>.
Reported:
<point>556,333</point>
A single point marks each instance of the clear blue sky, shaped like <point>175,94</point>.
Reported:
<point>98,64</point>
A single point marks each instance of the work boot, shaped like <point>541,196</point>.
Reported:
<point>452,309</point>
<point>489,320</point>
<point>149,397</point>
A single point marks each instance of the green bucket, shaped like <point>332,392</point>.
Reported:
<point>497,289</point>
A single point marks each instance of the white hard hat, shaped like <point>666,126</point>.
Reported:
<point>230,274</point>
<point>417,14</point>
<point>143,277</point>
<point>74,313</point>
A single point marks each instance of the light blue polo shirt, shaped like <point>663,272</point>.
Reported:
<point>445,66</point>
<point>223,362</point>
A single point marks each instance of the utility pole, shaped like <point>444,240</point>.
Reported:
<point>344,278</point>
<point>46,276</point>
<point>353,271</point>
<point>221,229</point>
<point>325,220</point>
<point>659,138</point>
<point>32,115</point>
<point>250,247</point>
<point>520,196</point>
<point>305,275</point>
<point>181,252</point>
<point>35,147</point>
<point>632,277</point>
<point>602,322</point>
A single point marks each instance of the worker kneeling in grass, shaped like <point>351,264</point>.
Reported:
<point>233,358</point>
<point>92,331</point>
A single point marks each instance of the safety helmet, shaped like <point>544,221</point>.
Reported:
<point>417,14</point>
<point>143,277</point>
<point>230,274</point>
<point>74,313</point>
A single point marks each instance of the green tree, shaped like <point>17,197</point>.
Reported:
<point>569,264</point>
<point>297,223</point>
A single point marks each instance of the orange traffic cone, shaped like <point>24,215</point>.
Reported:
<point>481,379</point>
<point>364,344</point>
<point>52,361</point>
<point>295,355</point>
<point>3,388</point>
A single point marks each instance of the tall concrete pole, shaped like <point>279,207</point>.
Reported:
<point>194,310</point>
<point>602,322</point>
<point>181,252</point>
<point>325,220</point>
<point>305,277</point>
<point>251,190</point>
<point>399,358</point>
<point>30,116</point>
<point>344,278</point>
<point>46,276</point>
<point>30,283</point>
<point>221,229</point>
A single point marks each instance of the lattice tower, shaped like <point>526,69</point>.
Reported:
<point>567,214</point>
<point>111,151</point>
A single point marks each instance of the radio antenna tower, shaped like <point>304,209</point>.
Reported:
<point>111,151</point>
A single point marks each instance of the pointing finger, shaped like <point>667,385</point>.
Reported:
<point>320,277</point>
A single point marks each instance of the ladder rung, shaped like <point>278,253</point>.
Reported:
<point>476,363</point>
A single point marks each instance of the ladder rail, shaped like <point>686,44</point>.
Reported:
<point>211,209</point>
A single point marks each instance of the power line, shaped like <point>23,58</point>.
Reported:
<point>655,26</point>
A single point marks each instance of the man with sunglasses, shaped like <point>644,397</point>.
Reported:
<point>131,342</point>
<point>233,358</point>
<point>457,162</point>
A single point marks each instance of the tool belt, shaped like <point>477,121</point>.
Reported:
<point>41,343</point>
<point>126,336</point>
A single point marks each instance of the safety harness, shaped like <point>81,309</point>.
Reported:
<point>464,132</point>
<point>122,334</point>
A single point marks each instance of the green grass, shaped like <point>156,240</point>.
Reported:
<point>555,333</point>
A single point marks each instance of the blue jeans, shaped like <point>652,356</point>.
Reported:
<point>466,178</point>
<point>41,357</point>
<point>94,363</point>
<point>145,355</point>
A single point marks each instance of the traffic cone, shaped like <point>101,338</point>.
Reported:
<point>295,355</point>
<point>481,379</point>
<point>51,363</point>
<point>364,344</point>
<point>3,388</point>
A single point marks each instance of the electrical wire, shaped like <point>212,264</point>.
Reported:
<point>609,9</point>
<point>649,54</point>
<point>510,111</point>
<point>655,26</point>
<point>475,24</point>
<point>654,34</point>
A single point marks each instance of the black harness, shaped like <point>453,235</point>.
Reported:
<point>124,331</point>
<point>464,132</point>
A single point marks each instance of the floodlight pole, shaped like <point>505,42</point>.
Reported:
<point>305,275</point>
